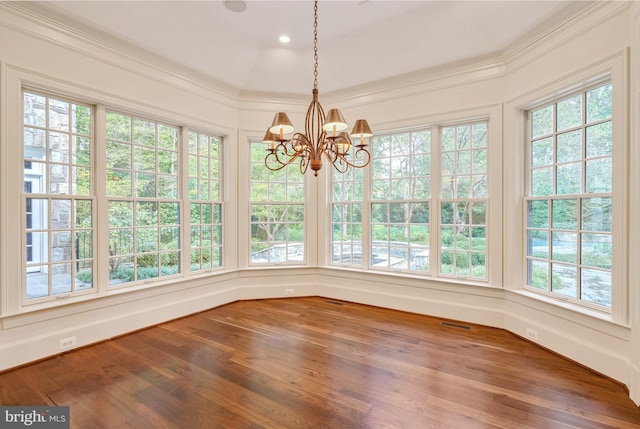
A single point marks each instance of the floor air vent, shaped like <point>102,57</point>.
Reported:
<point>333,302</point>
<point>455,325</point>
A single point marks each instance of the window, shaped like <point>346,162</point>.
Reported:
<point>400,201</point>
<point>58,203</point>
<point>346,217</point>
<point>569,203</point>
<point>206,201</point>
<point>399,210</point>
<point>125,207</point>
<point>463,204</point>
<point>144,210</point>
<point>277,211</point>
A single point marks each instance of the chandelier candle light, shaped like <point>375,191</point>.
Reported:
<point>322,135</point>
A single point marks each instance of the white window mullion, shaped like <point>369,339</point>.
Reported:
<point>183,197</point>
<point>101,209</point>
<point>436,200</point>
<point>365,245</point>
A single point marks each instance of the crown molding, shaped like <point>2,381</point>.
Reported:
<point>579,18</point>
<point>59,30</point>
<point>87,40</point>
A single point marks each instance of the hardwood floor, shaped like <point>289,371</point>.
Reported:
<point>317,363</point>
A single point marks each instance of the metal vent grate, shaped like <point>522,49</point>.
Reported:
<point>333,302</point>
<point>455,325</point>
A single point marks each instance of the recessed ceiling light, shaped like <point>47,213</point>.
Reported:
<point>235,5</point>
<point>284,39</point>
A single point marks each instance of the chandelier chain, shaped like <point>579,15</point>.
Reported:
<point>315,44</point>
<point>323,135</point>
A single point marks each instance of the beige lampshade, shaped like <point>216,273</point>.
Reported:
<point>281,124</point>
<point>361,129</point>
<point>269,137</point>
<point>334,122</point>
<point>343,143</point>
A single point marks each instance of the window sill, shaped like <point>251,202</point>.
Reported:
<point>555,303</point>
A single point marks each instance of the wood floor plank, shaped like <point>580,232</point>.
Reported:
<point>306,363</point>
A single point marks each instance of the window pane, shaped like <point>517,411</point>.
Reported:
<point>570,146</point>
<point>596,287</point>
<point>118,127</point>
<point>599,103</point>
<point>564,280</point>
<point>564,214</point>
<point>118,155</point>
<point>542,122</point>
<point>479,135</point>
<point>538,274</point>
<point>596,214</point>
<point>570,113</point>
<point>34,109</point>
<point>599,140</point>
<point>538,244</point>
<point>564,247</point>
<point>597,250</point>
<point>542,182</point>
<point>569,178</point>
<point>599,176</point>
<point>538,214</point>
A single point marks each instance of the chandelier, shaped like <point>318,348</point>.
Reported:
<point>323,136</point>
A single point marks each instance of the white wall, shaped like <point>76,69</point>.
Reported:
<point>603,38</point>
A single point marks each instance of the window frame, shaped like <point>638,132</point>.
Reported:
<point>492,115</point>
<point>13,203</point>
<point>344,218</point>
<point>551,198</point>
<point>413,200</point>
<point>217,221</point>
<point>456,201</point>
<point>138,224</point>
<point>270,205</point>
<point>48,198</point>
<point>615,69</point>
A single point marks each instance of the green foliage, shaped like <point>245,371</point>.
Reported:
<point>565,214</point>
<point>599,258</point>
<point>123,272</point>
<point>599,103</point>
<point>146,259</point>
<point>539,277</point>
<point>85,276</point>
<point>542,121</point>
<point>81,119</point>
<point>538,213</point>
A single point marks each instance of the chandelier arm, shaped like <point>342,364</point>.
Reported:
<point>274,166</point>
<point>304,164</point>
<point>275,154</point>
<point>340,167</point>
<point>361,158</point>
<point>330,151</point>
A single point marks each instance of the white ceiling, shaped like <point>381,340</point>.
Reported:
<point>359,41</point>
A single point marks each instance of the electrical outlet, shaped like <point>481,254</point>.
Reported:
<point>288,292</point>
<point>67,343</point>
<point>531,334</point>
